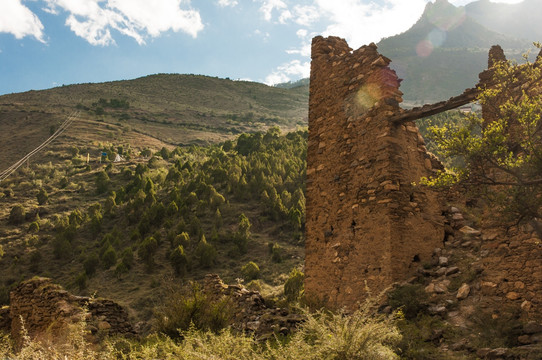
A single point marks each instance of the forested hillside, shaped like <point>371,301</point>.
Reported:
<point>129,230</point>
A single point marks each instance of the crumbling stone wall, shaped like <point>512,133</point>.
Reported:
<point>512,264</point>
<point>250,312</point>
<point>367,225</point>
<point>47,307</point>
<point>513,258</point>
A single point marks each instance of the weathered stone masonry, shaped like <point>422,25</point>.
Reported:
<point>47,308</point>
<point>367,224</point>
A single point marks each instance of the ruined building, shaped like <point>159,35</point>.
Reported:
<point>43,307</point>
<point>368,225</point>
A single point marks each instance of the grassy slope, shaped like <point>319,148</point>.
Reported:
<point>165,110</point>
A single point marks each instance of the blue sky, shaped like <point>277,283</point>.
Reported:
<point>47,43</point>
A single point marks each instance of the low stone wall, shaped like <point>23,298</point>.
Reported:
<point>250,312</point>
<point>43,307</point>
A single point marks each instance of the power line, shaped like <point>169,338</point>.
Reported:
<point>10,170</point>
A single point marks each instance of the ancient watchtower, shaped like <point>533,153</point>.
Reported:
<point>367,224</point>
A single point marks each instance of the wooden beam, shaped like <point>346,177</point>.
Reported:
<point>417,113</point>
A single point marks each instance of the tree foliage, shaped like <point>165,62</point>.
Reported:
<point>500,150</point>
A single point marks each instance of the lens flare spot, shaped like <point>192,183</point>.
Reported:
<point>368,95</point>
<point>424,48</point>
<point>436,37</point>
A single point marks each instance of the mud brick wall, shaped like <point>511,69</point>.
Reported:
<point>367,226</point>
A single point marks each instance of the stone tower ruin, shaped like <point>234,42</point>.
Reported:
<point>367,224</point>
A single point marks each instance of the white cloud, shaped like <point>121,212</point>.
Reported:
<point>302,33</point>
<point>264,35</point>
<point>285,16</point>
<point>17,19</point>
<point>295,69</point>
<point>93,20</point>
<point>306,15</point>
<point>362,22</point>
<point>300,14</point>
<point>226,3</point>
<point>304,50</point>
<point>269,6</point>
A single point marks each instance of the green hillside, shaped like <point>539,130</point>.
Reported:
<point>149,112</point>
<point>131,230</point>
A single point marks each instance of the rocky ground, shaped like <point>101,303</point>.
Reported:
<point>470,286</point>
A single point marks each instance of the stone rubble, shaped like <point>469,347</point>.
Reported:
<point>45,307</point>
<point>250,312</point>
<point>492,287</point>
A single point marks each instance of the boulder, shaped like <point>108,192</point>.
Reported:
<point>463,292</point>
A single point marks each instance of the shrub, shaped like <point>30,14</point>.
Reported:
<point>121,269</point>
<point>218,219</point>
<point>1,251</point>
<point>35,261</point>
<point>110,206</point>
<point>250,271</point>
<point>242,234</point>
<point>62,248</point>
<point>81,280</point>
<point>411,299</point>
<point>276,253</point>
<point>244,226</point>
<point>8,193</point>
<point>179,261</point>
<point>34,227</point>
<point>42,196</point>
<point>147,249</point>
<point>17,215</point>
<point>64,181</point>
<point>206,253</point>
<point>362,335</point>
<point>499,328</point>
<point>172,208</point>
<point>96,223</point>
<point>192,307</point>
<point>90,264</point>
<point>76,218</point>
<point>127,257</point>
<point>102,182</point>
<point>109,257</point>
<point>182,239</point>
<point>293,287</point>
<point>241,243</point>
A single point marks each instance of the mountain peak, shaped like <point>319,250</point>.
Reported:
<point>444,15</point>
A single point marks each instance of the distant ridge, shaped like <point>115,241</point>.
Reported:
<point>522,20</point>
<point>442,54</point>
